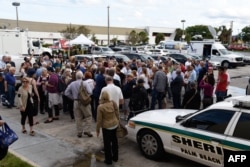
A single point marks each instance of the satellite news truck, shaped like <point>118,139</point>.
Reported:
<point>215,51</point>
<point>16,42</point>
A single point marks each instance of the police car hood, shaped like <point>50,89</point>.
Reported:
<point>164,116</point>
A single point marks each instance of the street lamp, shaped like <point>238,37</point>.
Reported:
<point>108,26</point>
<point>16,4</point>
<point>183,21</point>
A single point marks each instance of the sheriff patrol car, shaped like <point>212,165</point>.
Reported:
<point>202,136</point>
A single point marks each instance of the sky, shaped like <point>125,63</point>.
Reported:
<point>132,13</point>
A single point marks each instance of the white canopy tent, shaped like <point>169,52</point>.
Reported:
<point>81,40</point>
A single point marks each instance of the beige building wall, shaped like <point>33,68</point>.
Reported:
<point>51,31</point>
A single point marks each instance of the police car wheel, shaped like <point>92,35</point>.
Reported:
<point>150,145</point>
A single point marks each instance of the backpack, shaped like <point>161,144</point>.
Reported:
<point>61,84</point>
<point>84,97</point>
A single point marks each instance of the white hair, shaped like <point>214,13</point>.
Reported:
<point>79,75</point>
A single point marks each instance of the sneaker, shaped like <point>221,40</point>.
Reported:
<point>88,134</point>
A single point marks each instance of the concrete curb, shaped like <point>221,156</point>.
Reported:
<point>24,158</point>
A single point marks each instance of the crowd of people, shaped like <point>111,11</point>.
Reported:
<point>117,89</point>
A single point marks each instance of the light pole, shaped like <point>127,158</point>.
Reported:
<point>183,21</point>
<point>108,26</point>
<point>16,4</point>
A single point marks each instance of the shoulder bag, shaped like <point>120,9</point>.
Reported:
<point>7,136</point>
<point>121,130</point>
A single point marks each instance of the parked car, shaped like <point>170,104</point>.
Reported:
<point>239,47</point>
<point>160,52</point>
<point>121,49</point>
<point>142,57</point>
<point>202,136</point>
<point>119,57</point>
<point>181,58</point>
<point>163,59</point>
<point>101,49</point>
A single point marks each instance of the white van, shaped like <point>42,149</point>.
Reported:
<point>215,51</point>
<point>173,46</point>
<point>101,49</point>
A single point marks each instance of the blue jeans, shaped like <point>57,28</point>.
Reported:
<point>156,96</point>
<point>11,95</point>
<point>220,95</point>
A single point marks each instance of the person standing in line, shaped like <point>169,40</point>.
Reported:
<point>99,84</point>
<point>127,93</point>
<point>80,110</point>
<point>41,81</point>
<point>108,120</point>
<point>53,95</point>
<point>207,84</point>
<point>158,88</point>
<point>192,98</point>
<point>91,83</point>
<point>10,83</point>
<point>35,95</point>
<point>25,102</point>
<point>221,87</point>
<point>176,86</point>
<point>114,91</point>
<point>228,78</point>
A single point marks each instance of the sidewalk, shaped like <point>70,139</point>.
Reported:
<point>56,144</point>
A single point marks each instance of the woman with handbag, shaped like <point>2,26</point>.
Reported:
<point>3,151</point>
<point>108,120</point>
<point>25,102</point>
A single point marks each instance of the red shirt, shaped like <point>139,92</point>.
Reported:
<point>222,82</point>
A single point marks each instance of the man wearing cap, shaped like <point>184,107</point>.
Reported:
<point>139,97</point>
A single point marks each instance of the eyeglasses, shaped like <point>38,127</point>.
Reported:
<point>25,81</point>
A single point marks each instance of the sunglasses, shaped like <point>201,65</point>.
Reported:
<point>25,81</point>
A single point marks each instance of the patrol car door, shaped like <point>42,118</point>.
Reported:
<point>201,136</point>
<point>238,138</point>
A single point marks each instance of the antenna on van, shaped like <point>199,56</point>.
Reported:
<point>212,31</point>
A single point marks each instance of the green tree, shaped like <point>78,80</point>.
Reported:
<point>245,34</point>
<point>69,33</point>
<point>114,41</point>
<point>224,34</point>
<point>198,30</point>
<point>72,32</point>
<point>83,30</point>
<point>159,37</point>
<point>178,34</point>
<point>132,37</point>
<point>143,37</point>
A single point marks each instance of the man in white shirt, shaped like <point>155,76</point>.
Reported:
<point>115,92</point>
